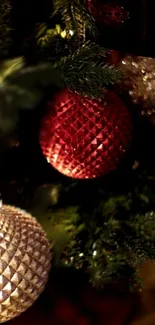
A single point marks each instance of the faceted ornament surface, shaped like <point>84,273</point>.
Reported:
<point>85,138</point>
<point>140,83</point>
<point>24,261</point>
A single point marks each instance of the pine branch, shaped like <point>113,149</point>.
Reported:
<point>64,8</point>
<point>84,21</point>
<point>76,17</point>
<point>87,52</point>
<point>92,83</point>
<point>143,226</point>
<point>83,74</point>
<point>111,241</point>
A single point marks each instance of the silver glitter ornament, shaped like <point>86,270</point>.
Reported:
<point>140,83</point>
<point>24,261</point>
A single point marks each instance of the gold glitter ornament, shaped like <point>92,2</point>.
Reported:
<point>25,260</point>
<point>140,82</point>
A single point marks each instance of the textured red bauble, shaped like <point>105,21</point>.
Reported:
<point>85,138</point>
<point>107,13</point>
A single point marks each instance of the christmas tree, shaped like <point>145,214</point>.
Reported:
<point>76,148</point>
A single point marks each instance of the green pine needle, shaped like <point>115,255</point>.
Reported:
<point>76,17</point>
<point>111,242</point>
<point>83,74</point>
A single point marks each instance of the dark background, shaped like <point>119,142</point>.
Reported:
<point>134,36</point>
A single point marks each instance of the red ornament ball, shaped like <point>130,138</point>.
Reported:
<point>85,138</point>
<point>107,13</point>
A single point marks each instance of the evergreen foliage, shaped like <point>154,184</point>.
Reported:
<point>76,17</point>
<point>107,234</point>
<point>109,237</point>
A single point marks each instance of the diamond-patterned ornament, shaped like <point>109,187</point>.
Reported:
<point>85,138</point>
<point>24,261</point>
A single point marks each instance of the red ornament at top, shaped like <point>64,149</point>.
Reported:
<point>85,138</point>
<point>107,13</point>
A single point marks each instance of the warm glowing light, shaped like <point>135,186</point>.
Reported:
<point>71,32</point>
